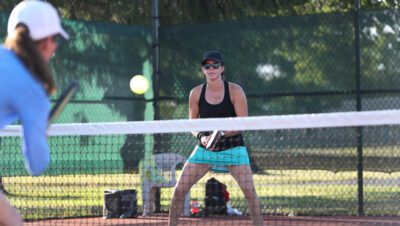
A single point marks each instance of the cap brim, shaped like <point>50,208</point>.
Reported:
<point>64,34</point>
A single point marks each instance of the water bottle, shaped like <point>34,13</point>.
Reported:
<point>195,207</point>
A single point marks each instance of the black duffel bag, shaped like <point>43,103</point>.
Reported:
<point>120,204</point>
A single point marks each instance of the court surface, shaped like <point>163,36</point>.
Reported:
<point>162,219</point>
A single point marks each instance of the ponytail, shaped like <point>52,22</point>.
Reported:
<point>26,49</point>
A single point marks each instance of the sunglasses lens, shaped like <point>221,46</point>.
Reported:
<point>209,66</point>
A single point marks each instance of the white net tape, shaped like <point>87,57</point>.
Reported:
<point>321,120</point>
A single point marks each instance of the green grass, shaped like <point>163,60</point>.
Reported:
<point>381,151</point>
<point>302,192</point>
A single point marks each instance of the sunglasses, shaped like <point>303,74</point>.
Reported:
<point>214,66</point>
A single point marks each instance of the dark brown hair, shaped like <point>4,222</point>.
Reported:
<point>26,49</point>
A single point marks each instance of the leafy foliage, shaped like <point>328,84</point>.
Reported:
<point>199,11</point>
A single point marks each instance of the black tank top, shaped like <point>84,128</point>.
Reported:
<point>221,110</point>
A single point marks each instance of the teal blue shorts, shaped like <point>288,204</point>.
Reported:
<point>218,160</point>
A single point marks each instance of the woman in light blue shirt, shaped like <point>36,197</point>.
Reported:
<point>26,82</point>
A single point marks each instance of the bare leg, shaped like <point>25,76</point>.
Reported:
<point>190,175</point>
<point>2,188</point>
<point>244,177</point>
<point>8,214</point>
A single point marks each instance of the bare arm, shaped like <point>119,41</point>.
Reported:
<point>194,104</point>
<point>194,111</point>
<point>239,101</point>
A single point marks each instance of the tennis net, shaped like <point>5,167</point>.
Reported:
<point>311,168</point>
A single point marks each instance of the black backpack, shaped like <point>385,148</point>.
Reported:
<point>120,204</point>
<point>214,200</point>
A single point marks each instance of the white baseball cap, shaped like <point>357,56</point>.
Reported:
<point>40,17</point>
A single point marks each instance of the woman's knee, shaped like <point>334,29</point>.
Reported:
<point>180,191</point>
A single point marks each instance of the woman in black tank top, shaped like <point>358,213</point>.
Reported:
<point>221,110</point>
<point>217,98</point>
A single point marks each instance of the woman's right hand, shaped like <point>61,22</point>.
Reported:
<point>204,140</point>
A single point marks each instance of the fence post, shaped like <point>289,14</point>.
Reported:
<point>359,130</point>
<point>155,78</point>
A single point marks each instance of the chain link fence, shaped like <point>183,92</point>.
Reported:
<point>286,65</point>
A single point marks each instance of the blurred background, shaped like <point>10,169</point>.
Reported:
<point>289,56</point>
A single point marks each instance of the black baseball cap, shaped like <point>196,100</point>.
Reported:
<point>212,55</point>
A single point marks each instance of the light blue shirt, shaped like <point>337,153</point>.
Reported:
<point>23,97</point>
